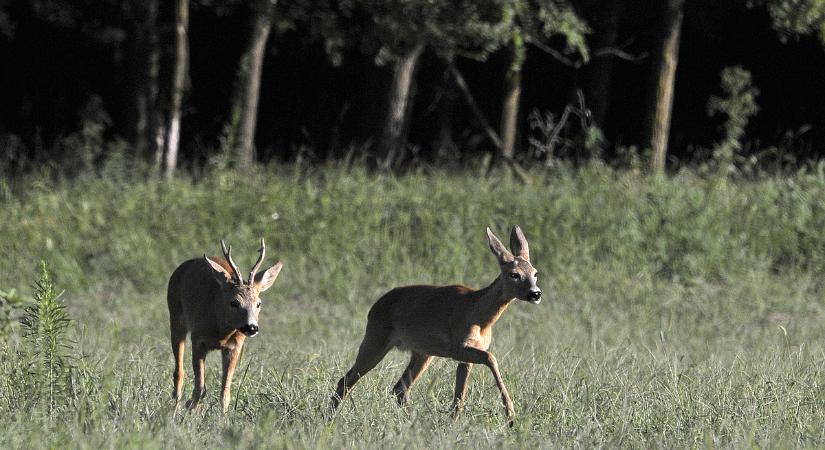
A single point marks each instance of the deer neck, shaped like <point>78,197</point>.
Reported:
<point>491,304</point>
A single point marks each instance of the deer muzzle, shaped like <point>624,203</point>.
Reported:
<point>250,329</point>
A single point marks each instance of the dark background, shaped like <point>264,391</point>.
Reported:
<point>50,71</point>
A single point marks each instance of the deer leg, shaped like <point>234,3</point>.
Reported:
<point>462,376</point>
<point>372,350</point>
<point>478,356</point>
<point>418,364</point>
<point>230,361</point>
<point>198,358</point>
<point>178,345</point>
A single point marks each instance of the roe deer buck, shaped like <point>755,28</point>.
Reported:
<point>451,321</point>
<point>209,299</point>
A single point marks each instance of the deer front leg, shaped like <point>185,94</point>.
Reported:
<point>462,376</point>
<point>198,358</point>
<point>478,356</point>
<point>230,361</point>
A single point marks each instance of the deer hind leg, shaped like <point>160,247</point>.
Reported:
<point>178,338</point>
<point>230,361</point>
<point>177,334</point>
<point>373,348</point>
<point>198,358</point>
<point>418,364</point>
<point>462,376</point>
<point>478,356</point>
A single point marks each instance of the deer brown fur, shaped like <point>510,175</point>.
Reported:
<point>209,299</point>
<point>451,321</point>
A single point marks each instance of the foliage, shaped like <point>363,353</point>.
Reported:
<point>543,19</point>
<point>793,18</point>
<point>392,28</point>
<point>388,29</point>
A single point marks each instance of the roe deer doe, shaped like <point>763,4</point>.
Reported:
<point>450,321</point>
<point>209,299</point>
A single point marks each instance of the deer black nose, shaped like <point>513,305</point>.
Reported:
<point>534,295</point>
<point>250,330</point>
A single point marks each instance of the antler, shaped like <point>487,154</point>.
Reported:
<point>257,265</point>
<point>227,253</point>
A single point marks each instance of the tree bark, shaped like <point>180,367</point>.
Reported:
<point>509,114</point>
<point>178,86</point>
<point>398,107</point>
<point>512,96</point>
<point>245,105</point>
<point>660,105</point>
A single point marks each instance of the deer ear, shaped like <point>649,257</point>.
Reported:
<point>265,280</point>
<point>518,244</point>
<point>501,252</point>
<point>220,274</point>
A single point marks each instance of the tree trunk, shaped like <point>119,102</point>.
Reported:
<point>245,105</point>
<point>665,58</point>
<point>512,96</point>
<point>398,107</point>
<point>178,85</point>
<point>599,72</point>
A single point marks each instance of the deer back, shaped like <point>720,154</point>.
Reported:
<point>196,293</point>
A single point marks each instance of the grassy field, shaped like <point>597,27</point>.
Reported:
<point>678,312</point>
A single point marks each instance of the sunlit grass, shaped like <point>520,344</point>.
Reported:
<point>681,312</point>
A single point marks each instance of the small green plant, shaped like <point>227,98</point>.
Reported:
<point>229,141</point>
<point>83,148</point>
<point>738,105</point>
<point>45,326</point>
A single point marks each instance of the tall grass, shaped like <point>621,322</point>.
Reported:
<point>682,311</point>
<point>119,230</point>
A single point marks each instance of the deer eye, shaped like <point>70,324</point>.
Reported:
<point>235,304</point>
<point>515,276</point>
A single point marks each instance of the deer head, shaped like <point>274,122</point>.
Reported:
<point>518,276</point>
<point>241,300</point>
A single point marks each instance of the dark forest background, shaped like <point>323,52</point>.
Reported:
<point>401,82</point>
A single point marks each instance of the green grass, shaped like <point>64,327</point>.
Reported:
<point>679,312</point>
